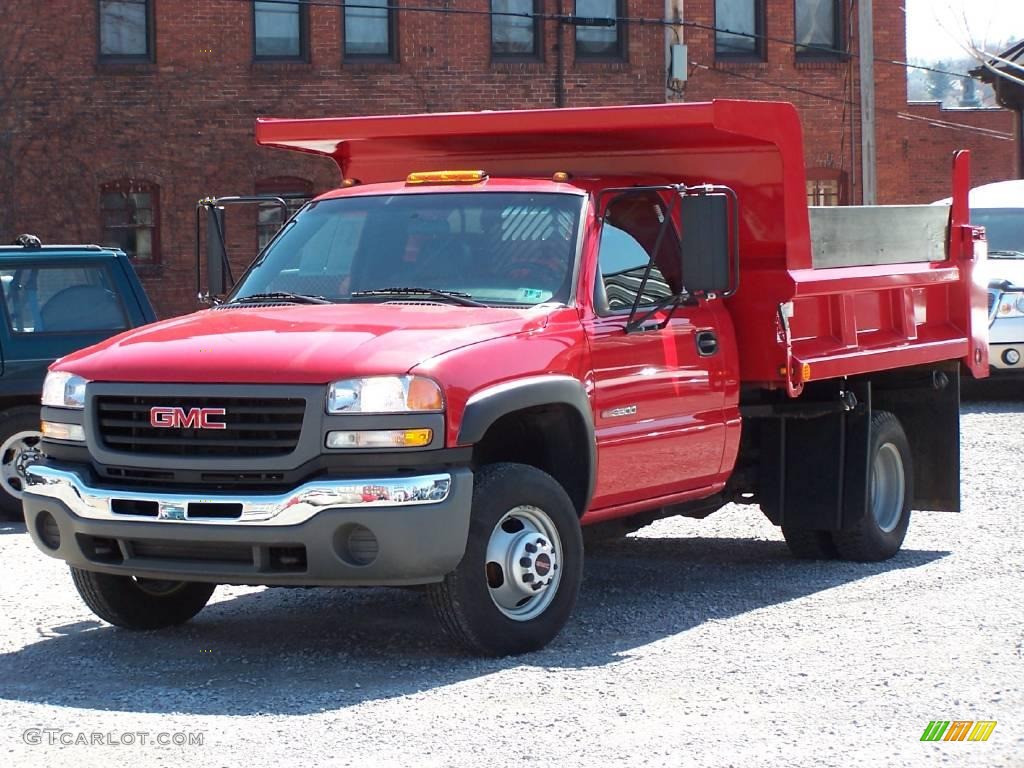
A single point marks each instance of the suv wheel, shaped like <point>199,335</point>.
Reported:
<point>137,603</point>
<point>519,578</point>
<point>19,447</point>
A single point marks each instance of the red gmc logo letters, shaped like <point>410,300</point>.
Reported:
<point>194,418</point>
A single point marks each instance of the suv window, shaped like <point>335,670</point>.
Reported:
<point>628,238</point>
<point>57,299</point>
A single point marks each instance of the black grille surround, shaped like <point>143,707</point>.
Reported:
<point>255,426</point>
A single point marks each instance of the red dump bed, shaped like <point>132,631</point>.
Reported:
<point>794,323</point>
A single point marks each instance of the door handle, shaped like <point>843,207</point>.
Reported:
<point>707,343</point>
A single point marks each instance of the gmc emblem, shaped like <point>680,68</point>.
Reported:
<point>194,418</point>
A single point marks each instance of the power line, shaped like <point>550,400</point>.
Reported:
<point>609,21</point>
<point>848,103</point>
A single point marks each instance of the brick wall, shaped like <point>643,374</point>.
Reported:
<point>186,121</point>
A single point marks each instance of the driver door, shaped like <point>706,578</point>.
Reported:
<point>658,391</point>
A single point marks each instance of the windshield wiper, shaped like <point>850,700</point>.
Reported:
<point>1006,254</point>
<point>458,297</point>
<point>294,298</point>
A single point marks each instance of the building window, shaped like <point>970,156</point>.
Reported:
<point>126,30</point>
<point>739,29</point>
<point>295,193</point>
<point>515,36</point>
<point>826,186</point>
<point>819,28</point>
<point>130,213</point>
<point>601,42</point>
<point>369,29</point>
<point>279,30</point>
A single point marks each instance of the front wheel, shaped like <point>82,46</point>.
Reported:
<point>517,583</point>
<point>136,603</point>
<point>19,448</point>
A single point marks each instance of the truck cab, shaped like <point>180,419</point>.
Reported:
<point>501,330</point>
<point>56,299</point>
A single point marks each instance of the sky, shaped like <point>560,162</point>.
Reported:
<point>936,28</point>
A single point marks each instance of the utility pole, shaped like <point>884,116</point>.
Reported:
<point>866,49</point>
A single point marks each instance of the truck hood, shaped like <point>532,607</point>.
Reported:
<point>295,344</point>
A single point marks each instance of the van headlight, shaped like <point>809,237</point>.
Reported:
<point>64,390</point>
<point>385,394</point>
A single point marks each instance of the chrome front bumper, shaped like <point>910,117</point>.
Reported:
<point>332,532</point>
<point>295,506</point>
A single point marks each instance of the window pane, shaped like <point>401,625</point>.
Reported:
<point>123,28</point>
<point>277,30</point>
<point>129,220</point>
<point>513,35</point>
<point>54,300</point>
<point>816,24</point>
<point>597,41</point>
<point>631,228</point>
<point>739,16</point>
<point>367,30</point>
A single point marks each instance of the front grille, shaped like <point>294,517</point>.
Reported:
<point>255,426</point>
<point>199,551</point>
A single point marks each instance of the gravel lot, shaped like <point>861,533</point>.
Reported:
<point>695,643</point>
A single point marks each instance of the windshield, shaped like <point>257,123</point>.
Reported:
<point>1004,228</point>
<point>493,247</point>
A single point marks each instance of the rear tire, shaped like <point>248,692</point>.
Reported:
<point>133,603</point>
<point>809,545</point>
<point>518,580</point>
<point>880,533</point>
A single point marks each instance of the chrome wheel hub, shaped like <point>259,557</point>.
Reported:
<point>888,487</point>
<point>17,454</point>
<point>522,567</point>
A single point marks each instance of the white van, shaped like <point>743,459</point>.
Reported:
<point>999,208</point>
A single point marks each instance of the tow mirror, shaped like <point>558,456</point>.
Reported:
<point>710,240</point>
<point>216,252</point>
<point>219,279</point>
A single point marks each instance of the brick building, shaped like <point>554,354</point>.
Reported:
<point>117,115</point>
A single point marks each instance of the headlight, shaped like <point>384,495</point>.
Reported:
<point>1011,305</point>
<point>64,390</point>
<point>385,394</point>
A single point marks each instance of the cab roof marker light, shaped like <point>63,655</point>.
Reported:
<point>446,177</point>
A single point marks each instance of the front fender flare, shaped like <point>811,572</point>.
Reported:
<point>488,405</point>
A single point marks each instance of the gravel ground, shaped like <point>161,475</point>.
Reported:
<point>695,643</point>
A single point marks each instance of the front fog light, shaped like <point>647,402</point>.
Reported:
<point>382,438</point>
<point>56,430</point>
<point>1011,357</point>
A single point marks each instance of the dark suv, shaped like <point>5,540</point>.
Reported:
<point>56,299</point>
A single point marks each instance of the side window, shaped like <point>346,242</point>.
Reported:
<point>61,300</point>
<point>629,236</point>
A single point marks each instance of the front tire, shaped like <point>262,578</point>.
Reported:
<point>135,603</point>
<point>19,447</point>
<point>518,580</point>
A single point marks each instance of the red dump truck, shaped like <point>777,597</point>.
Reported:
<point>501,329</point>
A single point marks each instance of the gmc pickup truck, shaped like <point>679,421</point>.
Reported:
<point>501,328</point>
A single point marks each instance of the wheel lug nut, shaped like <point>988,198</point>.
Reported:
<point>541,542</point>
<point>525,562</point>
<point>528,577</point>
<point>530,548</point>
